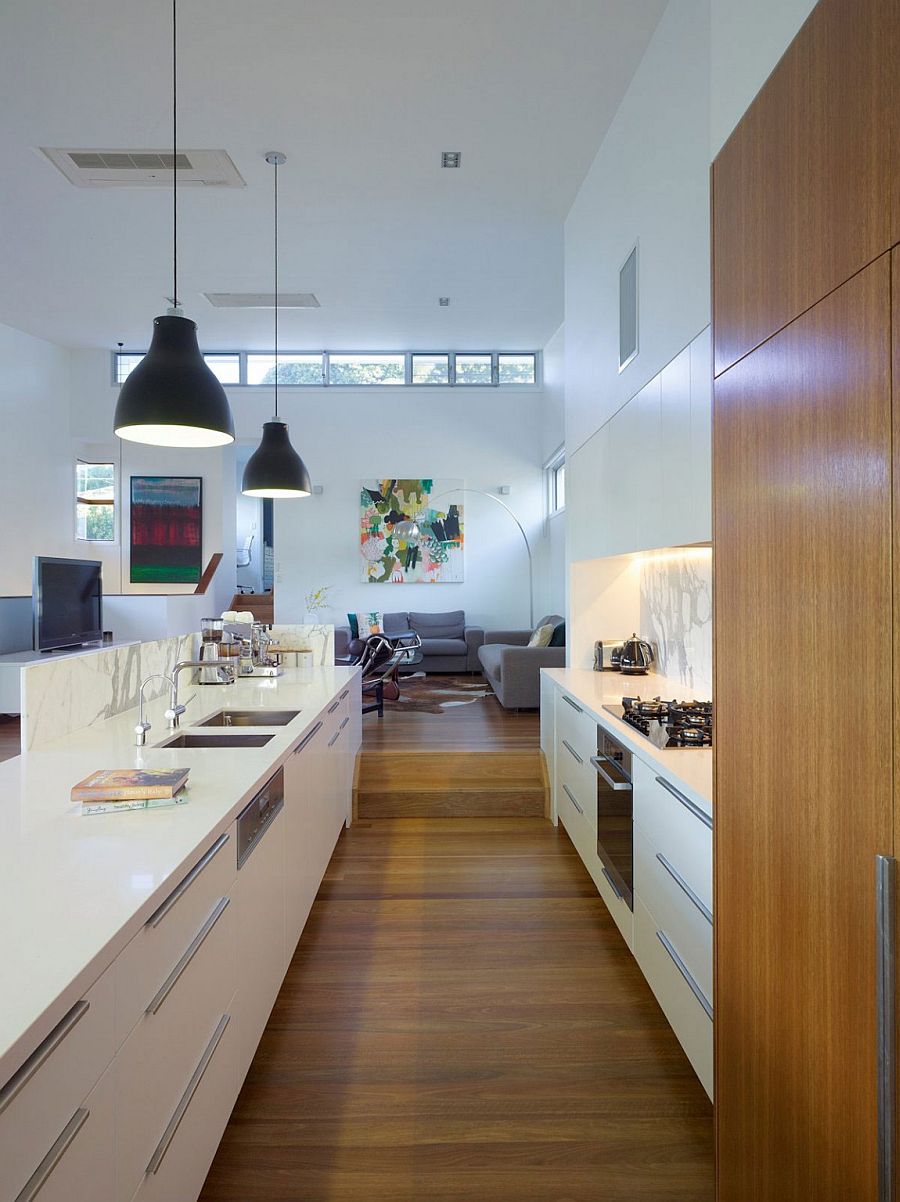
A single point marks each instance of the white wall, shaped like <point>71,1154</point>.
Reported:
<point>486,437</point>
<point>553,435</point>
<point>649,183</point>
<point>747,41</point>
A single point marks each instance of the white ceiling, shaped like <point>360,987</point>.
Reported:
<point>362,96</point>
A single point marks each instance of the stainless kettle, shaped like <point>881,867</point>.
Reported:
<point>636,658</point>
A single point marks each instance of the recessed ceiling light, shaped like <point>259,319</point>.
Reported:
<point>443,301</point>
<point>451,158</point>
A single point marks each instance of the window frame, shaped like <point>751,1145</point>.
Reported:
<point>555,464</point>
<point>452,382</point>
<point>96,542</point>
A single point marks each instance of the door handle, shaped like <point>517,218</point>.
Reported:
<point>619,786</point>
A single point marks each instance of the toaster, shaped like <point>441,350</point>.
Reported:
<point>608,655</point>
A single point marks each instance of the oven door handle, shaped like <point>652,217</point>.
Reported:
<point>623,786</point>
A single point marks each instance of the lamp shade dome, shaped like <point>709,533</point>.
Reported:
<point>275,469</point>
<point>172,399</point>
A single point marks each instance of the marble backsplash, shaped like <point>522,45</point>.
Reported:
<point>676,616</point>
<point>71,693</point>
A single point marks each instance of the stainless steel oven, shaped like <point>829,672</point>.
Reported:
<point>615,813</point>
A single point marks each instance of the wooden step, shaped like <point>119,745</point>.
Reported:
<point>450,784</point>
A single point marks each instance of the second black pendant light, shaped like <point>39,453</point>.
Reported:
<point>275,469</point>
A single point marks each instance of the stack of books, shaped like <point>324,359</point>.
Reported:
<point>111,790</point>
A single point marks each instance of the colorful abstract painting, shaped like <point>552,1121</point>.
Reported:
<point>430,553</point>
<point>166,529</point>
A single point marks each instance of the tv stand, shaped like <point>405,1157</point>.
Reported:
<point>12,664</point>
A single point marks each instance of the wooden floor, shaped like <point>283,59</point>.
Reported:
<point>451,784</point>
<point>9,737</point>
<point>463,1023</point>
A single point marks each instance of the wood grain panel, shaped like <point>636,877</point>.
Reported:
<point>802,454</point>
<point>462,1021</point>
<point>803,188</point>
<point>450,784</point>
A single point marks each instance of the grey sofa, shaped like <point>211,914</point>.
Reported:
<point>513,669</point>
<point>448,644</point>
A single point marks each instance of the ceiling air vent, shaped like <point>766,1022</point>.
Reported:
<point>262,300</point>
<point>144,168</point>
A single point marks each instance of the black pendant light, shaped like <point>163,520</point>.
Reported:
<point>275,469</point>
<point>172,399</point>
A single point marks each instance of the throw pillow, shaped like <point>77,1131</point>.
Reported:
<point>559,636</point>
<point>541,637</point>
<point>354,626</point>
<point>370,623</point>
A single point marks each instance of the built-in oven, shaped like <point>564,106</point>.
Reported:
<point>615,814</point>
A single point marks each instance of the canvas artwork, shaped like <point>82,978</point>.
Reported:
<point>166,529</point>
<point>391,553</point>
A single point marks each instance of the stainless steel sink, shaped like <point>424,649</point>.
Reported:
<point>187,739</point>
<point>249,718</point>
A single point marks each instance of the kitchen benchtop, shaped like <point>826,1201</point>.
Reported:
<point>688,768</point>
<point>75,889</point>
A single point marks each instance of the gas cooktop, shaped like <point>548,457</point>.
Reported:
<point>668,724</point>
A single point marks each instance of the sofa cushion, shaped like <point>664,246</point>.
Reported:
<point>558,639</point>
<point>395,622</point>
<point>445,647</point>
<point>541,636</point>
<point>490,657</point>
<point>439,626</point>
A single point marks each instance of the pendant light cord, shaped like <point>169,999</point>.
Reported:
<point>276,288</point>
<point>174,155</point>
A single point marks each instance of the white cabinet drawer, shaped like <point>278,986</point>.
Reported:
<point>80,1165</point>
<point>668,897</point>
<point>181,1157</point>
<point>576,726</point>
<point>584,838</point>
<point>155,1063</point>
<point>575,772</point>
<point>679,995</point>
<point>41,1098</point>
<point>675,826</point>
<point>155,950</point>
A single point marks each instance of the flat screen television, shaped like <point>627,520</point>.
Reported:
<point>67,602</point>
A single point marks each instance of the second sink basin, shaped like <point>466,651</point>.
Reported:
<point>249,718</point>
<point>198,740</point>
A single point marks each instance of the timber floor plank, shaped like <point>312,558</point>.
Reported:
<point>10,742</point>
<point>462,1022</point>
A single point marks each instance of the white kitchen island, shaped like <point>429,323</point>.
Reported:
<point>140,962</point>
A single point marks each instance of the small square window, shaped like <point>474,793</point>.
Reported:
<point>474,369</point>
<point>125,365</point>
<point>226,368</point>
<point>431,369</point>
<point>515,369</point>
<point>367,369</point>
<point>95,502</point>
<point>292,369</point>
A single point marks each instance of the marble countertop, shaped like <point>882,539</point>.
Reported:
<point>75,889</point>
<point>688,768</point>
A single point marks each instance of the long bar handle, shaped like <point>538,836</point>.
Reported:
<point>312,734</point>
<point>571,796</point>
<point>571,750</point>
<point>42,1053</point>
<point>156,918</point>
<point>181,1109</point>
<point>618,786</point>
<point>885,1003</point>
<point>686,973</point>
<point>193,947</point>
<point>685,887</point>
<point>41,1174</point>
<point>333,707</point>
<point>689,805</point>
<point>612,884</point>
<point>569,701</point>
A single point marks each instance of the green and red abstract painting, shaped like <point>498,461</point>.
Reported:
<point>166,529</point>
<point>411,532</point>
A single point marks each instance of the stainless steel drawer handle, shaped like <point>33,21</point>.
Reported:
<point>885,1003</point>
<point>571,796</point>
<point>193,947</point>
<point>345,694</point>
<point>42,1053</point>
<point>623,784</point>
<point>306,739</point>
<point>685,801</point>
<point>569,701</point>
<point>181,1109</point>
<point>41,1174</point>
<point>334,738</point>
<point>612,884</point>
<point>568,746</point>
<point>344,723</point>
<point>334,706</point>
<point>686,973</point>
<point>179,891</point>
<point>684,887</point>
